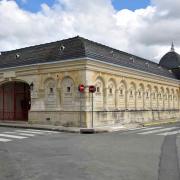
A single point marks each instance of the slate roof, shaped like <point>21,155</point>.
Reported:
<point>78,47</point>
<point>170,60</point>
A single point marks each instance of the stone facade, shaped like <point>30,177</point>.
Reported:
<point>123,95</point>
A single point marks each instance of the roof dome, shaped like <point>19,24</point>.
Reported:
<point>171,59</point>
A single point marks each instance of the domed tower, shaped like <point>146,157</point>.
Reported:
<point>171,61</point>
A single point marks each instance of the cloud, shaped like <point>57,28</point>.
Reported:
<point>170,7</point>
<point>145,32</point>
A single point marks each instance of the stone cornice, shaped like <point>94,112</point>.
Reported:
<point>68,65</point>
<point>100,66</point>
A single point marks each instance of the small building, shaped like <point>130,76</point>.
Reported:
<point>39,84</point>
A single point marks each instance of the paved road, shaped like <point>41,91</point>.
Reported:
<point>140,154</point>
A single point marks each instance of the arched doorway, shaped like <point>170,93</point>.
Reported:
<point>14,101</point>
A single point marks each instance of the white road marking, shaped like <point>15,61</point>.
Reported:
<point>18,133</point>
<point>158,130</point>
<point>150,128</point>
<point>169,133</point>
<point>26,134</point>
<point>22,134</point>
<point>136,128</point>
<point>33,132</point>
<point>12,136</point>
<point>4,140</point>
<point>36,130</point>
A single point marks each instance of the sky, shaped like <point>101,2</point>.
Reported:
<point>35,5</point>
<point>145,28</point>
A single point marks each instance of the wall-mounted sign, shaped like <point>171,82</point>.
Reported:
<point>9,74</point>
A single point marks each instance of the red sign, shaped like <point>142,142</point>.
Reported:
<point>92,89</point>
<point>81,88</point>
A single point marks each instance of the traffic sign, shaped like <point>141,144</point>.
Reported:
<point>81,88</point>
<point>92,89</point>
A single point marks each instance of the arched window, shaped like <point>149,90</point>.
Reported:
<point>50,93</point>
<point>122,95</point>
<point>140,97</point>
<point>132,96</point>
<point>110,91</point>
<point>161,103</point>
<point>111,94</point>
<point>165,97</point>
<point>147,102</point>
<point>98,89</point>
<point>147,95</point>
<point>67,91</point>
<point>131,93</point>
<point>121,92</point>
<point>155,98</point>
<point>177,99</point>
<point>99,94</point>
<point>166,100</point>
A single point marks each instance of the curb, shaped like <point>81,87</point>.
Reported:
<point>92,131</point>
<point>63,129</point>
<point>159,123</point>
<point>39,128</point>
<point>83,130</point>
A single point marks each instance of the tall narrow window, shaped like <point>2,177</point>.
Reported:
<point>51,90</point>
<point>121,92</point>
<point>68,89</point>
<point>50,93</point>
<point>98,89</point>
<point>131,93</point>
<point>68,92</point>
<point>110,90</point>
<point>147,95</point>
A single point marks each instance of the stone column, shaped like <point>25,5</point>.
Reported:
<point>136,105</point>
<point>37,100</point>
<point>150,96</point>
<point>163,101</point>
<point>157,101</point>
<point>105,93</point>
<point>178,100</point>
<point>58,91</point>
<point>143,105</point>
<point>116,98</point>
<point>127,99</point>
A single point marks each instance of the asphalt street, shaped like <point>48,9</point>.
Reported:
<point>151,153</point>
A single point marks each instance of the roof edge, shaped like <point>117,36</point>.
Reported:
<point>36,46</point>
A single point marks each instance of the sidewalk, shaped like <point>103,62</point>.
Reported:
<point>39,126</point>
<point>103,129</point>
<point>162,122</point>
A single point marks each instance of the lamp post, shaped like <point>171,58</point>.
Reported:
<point>81,89</point>
<point>92,89</point>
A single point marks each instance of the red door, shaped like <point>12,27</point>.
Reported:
<point>14,101</point>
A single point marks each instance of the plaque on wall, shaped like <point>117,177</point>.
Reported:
<point>9,74</point>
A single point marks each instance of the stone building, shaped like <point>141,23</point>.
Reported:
<point>39,84</point>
